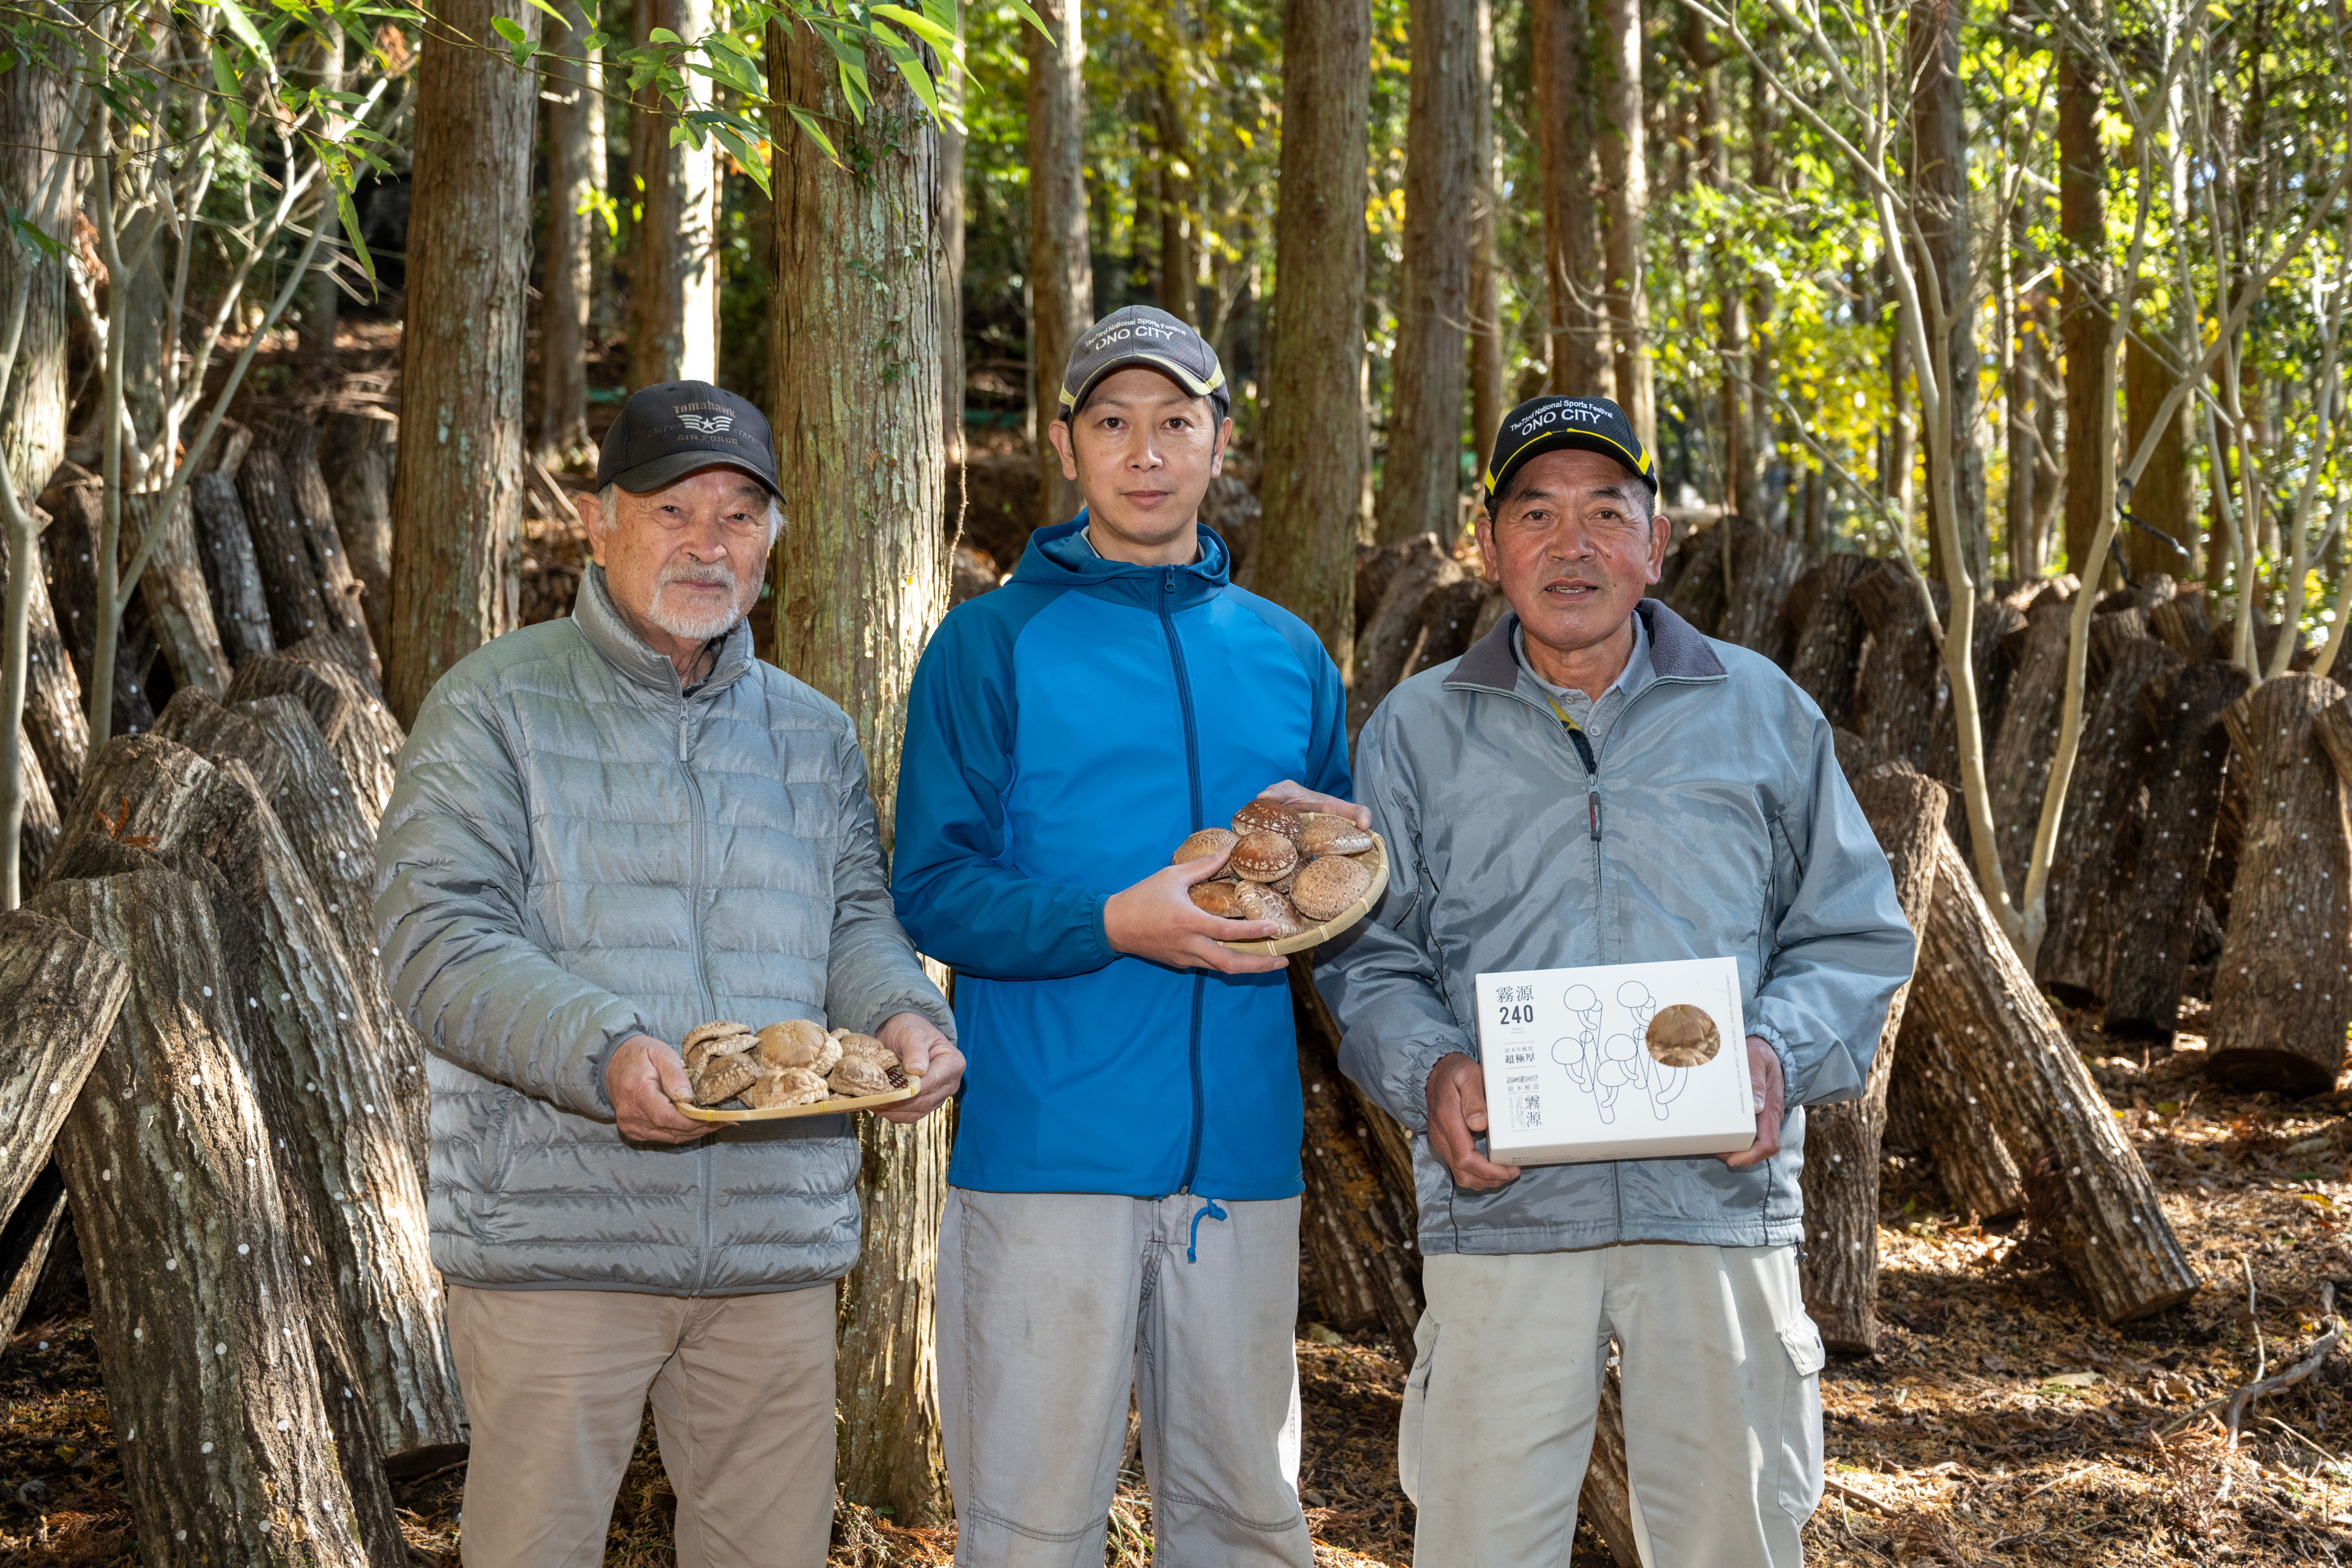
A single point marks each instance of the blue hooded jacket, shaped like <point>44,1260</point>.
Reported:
<point>1064,733</point>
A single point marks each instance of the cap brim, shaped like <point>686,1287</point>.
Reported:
<point>1213,389</point>
<point>1568,441</point>
<point>668,470</point>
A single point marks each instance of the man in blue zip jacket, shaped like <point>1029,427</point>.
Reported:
<point>1123,1202</point>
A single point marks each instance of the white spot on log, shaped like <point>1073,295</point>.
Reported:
<point>204,1448</point>
<point>241,1247</point>
<point>342,1018</point>
<point>177,1176</point>
<point>282,1426</point>
<point>138,1334</point>
<point>208,989</point>
<point>220,1350</point>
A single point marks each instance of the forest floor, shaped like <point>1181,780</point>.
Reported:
<point>1997,1424</point>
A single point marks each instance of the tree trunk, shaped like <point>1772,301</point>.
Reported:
<point>567,263</point>
<point>1905,810</point>
<point>2155,911</point>
<point>196,1299</point>
<point>232,568</point>
<point>55,724</point>
<point>1061,262</point>
<point>2102,821</point>
<point>360,454</point>
<point>862,581</point>
<point>673,273</point>
<point>1487,349</point>
<point>1939,181</point>
<point>1827,652</point>
<point>34,103</point>
<point>456,499</point>
<point>2283,990</point>
<point>1391,638</point>
<point>1421,482</point>
<point>2164,497</point>
<point>2017,757</point>
<point>339,586</point>
<point>1895,697</point>
<point>2021,513</point>
<point>365,737</point>
<point>60,992</point>
<point>1624,172</point>
<point>1562,34</point>
<point>1180,287</point>
<point>1978,1173</point>
<point>2102,1211</point>
<point>2087,283</point>
<point>1316,462</point>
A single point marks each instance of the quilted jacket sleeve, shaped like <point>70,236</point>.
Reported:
<point>871,969</point>
<point>452,863</point>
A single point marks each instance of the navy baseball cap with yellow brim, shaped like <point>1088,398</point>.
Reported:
<point>1555,423</point>
<point>1142,335</point>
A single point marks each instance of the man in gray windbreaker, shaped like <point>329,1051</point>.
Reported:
<point>608,830</point>
<point>1597,782</point>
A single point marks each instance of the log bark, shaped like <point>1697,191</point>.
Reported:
<point>1391,638</point>
<point>36,831</point>
<point>2156,918</point>
<point>1827,634</point>
<point>55,724</point>
<point>1840,1261</point>
<point>357,726</point>
<point>1606,1497</point>
<point>2283,990</point>
<point>1061,257</point>
<point>35,108</point>
<point>298,606</point>
<point>1895,694</point>
<point>179,607</point>
<point>1420,479</point>
<point>221,734</point>
<point>25,1243</point>
<point>339,586</point>
<point>1451,619</point>
<point>2103,1213</point>
<point>60,992</point>
<point>1315,441</point>
<point>1978,1172</point>
<point>1357,1225</point>
<point>1995,622</point>
<point>231,569</point>
<point>196,1302</point>
<point>2104,819</point>
<point>457,502</point>
<point>1764,567</point>
<point>2182,625</point>
<point>2017,755</point>
<point>863,582</point>
<point>359,458</point>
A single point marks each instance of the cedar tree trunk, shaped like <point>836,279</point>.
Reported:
<point>568,264</point>
<point>1562,33</point>
<point>1624,172</point>
<point>674,270</point>
<point>1061,263</point>
<point>2083,326</point>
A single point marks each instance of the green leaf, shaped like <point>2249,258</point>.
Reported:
<point>350,217</point>
<point>663,35</point>
<point>509,29</point>
<point>551,10</point>
<point>1020,9</point>
<point>242,25</point>
<point>922,27</point>
<point>920,79</point>
<point>224,79</point>
<point>815,132</point>
<point>32,236</point>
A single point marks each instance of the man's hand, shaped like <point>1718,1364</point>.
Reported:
<point>1457,1110</point>
<point>640,1078</point>
<point>1157,919</point>
<point>1298,797</point>
<point>926,1054</point>
<point>1764,1072</point>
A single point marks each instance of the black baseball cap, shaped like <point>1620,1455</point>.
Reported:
<point>669,431</point>
<point>1142,334</point>
<point>1553,424</point>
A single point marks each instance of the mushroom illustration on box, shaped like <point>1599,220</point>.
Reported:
<point>1617,1061</point>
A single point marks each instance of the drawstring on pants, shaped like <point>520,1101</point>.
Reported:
<point>1208,1210</point>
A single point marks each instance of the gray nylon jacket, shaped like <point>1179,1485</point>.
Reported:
<point>577,852</point>
<point>1724,828</point>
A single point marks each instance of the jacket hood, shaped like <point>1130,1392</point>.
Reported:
<point>1678,651</point>
<point>1058,557</point>
<point>627,652</point>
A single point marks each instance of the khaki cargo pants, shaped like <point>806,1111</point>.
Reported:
<point>1723,1410</point>
<point>556,1383</point>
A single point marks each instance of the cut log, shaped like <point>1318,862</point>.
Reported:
<point>1449,619</point>
<point>1905,811</point>
<point>60,992</point>
<point>25,1245</point>
<point>1827,630</point>
<point>358,728</point>
<point>1978,1173</point>
<point>2283,990</point>
<point>2104,1214</point>
<point>298,446</point>
<point>1357,1227</point>
<point>371,746</point>
<point>196,1301</point>
<point>2099,832</point>
<point>1995,622</point>
<point>1895,694</point>
<point>179,605</point>
<point>358,458</point>
<point>2018,754</point>
<point>221,734</point>
<point>56,727</point>
<point>290,579</point>
<point>1606,1498</point>
<point>231,568</point>
<point>2181,624</point>
<point>1385,651</point>
<point>37,832</point>
<point>1765,566</point>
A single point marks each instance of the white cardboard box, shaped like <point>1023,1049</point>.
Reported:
<point>1618,1062</point>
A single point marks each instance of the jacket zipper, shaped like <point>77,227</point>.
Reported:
<point>1192,767</point>
<point>701,969</point>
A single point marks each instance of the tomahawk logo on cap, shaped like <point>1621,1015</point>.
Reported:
<point>1141,335</point>
<point>1553,424</point>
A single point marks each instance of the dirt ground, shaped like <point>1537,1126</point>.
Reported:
<point>1997,1422</point>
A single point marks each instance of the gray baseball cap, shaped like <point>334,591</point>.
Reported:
<point>1143,335</point>
<point>668,431</point>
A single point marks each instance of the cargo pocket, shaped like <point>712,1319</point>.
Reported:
<point>1803,1341</point>
<point>1798,1486</point>
<point>1416,1405</point>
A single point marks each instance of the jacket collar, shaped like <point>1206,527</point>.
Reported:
<point>1678,652</point>
<point>627,652</point>
<point>1058,557</point>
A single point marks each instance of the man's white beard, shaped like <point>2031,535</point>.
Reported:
<point>687,621</point>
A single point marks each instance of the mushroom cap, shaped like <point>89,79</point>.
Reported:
<point>1681,1036</point>
<point>780,1087</point>
<point>796,1043</point>
<point>1332,835</point>
<point>1267,814</point>
<point>724,1077</point>
<point>867,1048</point>
<point>722,1038</point>
<point>858,1076</point>
<point>1207,844</point>
<point>1260,902</point>
<point>1329,885</point>
<point>1263,856</point>
<point>1221,900</point>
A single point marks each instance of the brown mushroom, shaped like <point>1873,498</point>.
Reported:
<point>798,1043</point>
<point>1329,885</point>
<point>705,1041</point>
<point>1267,814</point>
<point>780,1087</point>
<point>865,1047</point>
<point>1332,835</point>
<point>1681,1036</point>
<point>1221,900</point>
<point>859,1076</point>
<point>724,1077</point>
<point>1209,843</point>
<point>1264,857</point>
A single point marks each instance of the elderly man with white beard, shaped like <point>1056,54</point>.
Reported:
<point>606,831</point>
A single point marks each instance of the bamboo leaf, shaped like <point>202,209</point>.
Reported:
<point>250,37</point>
<point>350,215</point>
<point>551,10</point>
<point>922,27</point>
<point>509,29</point>
<point>815,132</point>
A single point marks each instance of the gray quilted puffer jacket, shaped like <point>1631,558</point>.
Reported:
<point>577,851</point>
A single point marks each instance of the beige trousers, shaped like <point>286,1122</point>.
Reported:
<point>1723,1410</point>
<point>556,1381</point>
